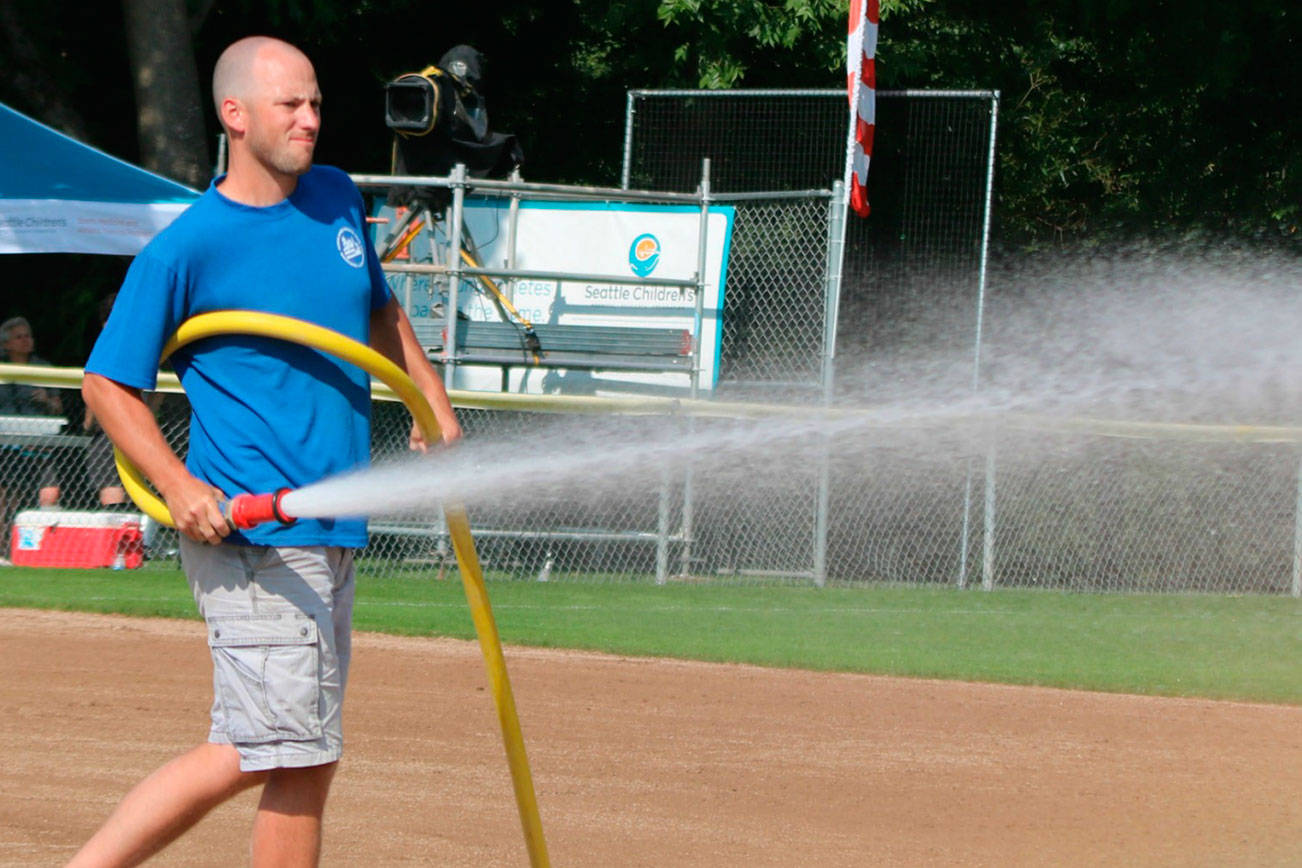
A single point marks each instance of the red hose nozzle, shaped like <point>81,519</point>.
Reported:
<point>247,510</point>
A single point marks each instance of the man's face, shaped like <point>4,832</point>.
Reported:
<point>19,340</point>
<point>284,113</point>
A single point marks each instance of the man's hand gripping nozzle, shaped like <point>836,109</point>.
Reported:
<point>244,511</point>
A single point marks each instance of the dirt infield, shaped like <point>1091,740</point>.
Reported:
<point>653,762</point>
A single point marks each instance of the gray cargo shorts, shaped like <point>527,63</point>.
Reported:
<point>279,621</point>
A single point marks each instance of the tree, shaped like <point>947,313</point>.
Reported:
<point>171,128</point>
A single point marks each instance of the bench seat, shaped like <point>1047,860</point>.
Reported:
<point>594,347</point>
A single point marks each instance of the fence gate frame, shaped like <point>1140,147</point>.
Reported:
<point>836,248</point>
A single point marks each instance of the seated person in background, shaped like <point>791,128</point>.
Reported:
<point>23,399</point>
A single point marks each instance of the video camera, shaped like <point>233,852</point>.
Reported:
<point>440,118</point>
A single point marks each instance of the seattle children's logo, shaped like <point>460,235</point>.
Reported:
<point>350,247</point>
<point>644,254</point>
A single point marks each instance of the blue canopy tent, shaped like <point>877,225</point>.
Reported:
<point>60,196</point>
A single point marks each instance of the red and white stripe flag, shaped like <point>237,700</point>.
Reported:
<point>861,83</point>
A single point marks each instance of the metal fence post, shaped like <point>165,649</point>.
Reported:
<point>977,345</point>
<point>831,306</point>
<point>453,273</point>
<point>701,242</point>
<point>1297,535</point>
<point>988,523</point>
<point>627,169</point>
<point>688,516</point>
<point>512,228</point>
<point>985,243</point>
<point>662,530</point>
<point>964,531</point>
<point>220,167</point>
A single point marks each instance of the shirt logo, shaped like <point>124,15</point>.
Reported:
<point>644,254</point>
<point>350,247</point>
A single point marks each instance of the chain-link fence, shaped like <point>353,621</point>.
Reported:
<point>914,269</point>
<point>791,497</point>
<point>1095,512</point>
<point>39,465</point>
<point>1081,510</point>
<point>911,287</point>
<point>1089,508</point>
<point>57,471</point>
<point>774,342</point>
<point>754,139</point>
<point>774,333</point>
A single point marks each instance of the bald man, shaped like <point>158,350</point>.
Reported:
<point>274,234</point>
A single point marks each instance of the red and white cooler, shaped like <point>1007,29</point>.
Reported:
<point>64,538</point>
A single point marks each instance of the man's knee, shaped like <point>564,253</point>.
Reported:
<point>222,761</point>
<point>248,780</point>
<point>298,790</point>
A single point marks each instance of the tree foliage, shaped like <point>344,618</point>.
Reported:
<point>754,43</point>
<point>1117,116</point>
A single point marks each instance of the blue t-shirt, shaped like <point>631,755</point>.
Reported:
<point>265,414</point>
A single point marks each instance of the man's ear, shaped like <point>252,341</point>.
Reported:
<point>233,116</point>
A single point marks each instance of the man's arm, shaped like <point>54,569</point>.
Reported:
<point>50,399</point>
<point>393,337</point>
<point>128,421</point>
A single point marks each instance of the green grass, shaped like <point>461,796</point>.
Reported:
<point>1180,645</point>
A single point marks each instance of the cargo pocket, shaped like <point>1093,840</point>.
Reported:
<point>265,674</point>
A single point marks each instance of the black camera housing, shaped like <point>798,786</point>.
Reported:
<point>411,104</point>
<point>439,118</point>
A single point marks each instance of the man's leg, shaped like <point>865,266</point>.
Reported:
<point>48,485</point>
<point>166,804</point>
<point>278,621</point>
<point>287,830</point>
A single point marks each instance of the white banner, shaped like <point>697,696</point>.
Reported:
<point>71,226</point>
<point>616,239</point>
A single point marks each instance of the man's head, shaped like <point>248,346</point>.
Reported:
<point>16,336</point>
<point>268,102</point>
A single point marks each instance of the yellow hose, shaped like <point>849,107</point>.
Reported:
<point>472,576</point>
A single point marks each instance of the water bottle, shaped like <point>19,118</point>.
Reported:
<point>119,556</point>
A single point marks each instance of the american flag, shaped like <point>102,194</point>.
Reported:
<point>861,83</point>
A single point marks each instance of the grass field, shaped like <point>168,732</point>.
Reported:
<point>1219,647</point>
